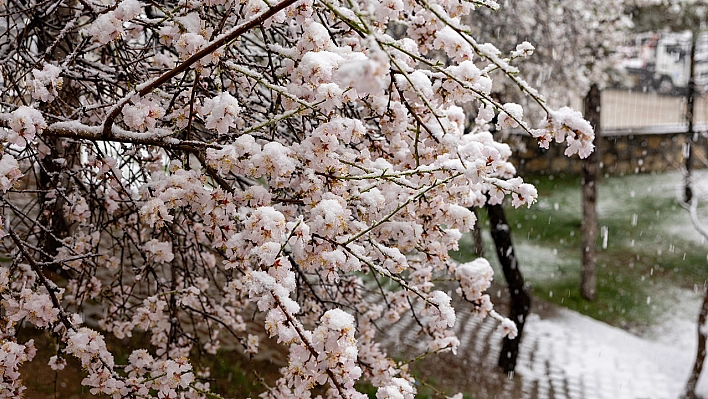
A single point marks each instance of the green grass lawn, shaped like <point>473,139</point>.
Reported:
<point>646,250</point>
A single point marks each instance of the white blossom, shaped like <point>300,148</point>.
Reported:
<point>302,183</point>
<point>222,111</point>
<point>46,82</point>
<point>25,122</point>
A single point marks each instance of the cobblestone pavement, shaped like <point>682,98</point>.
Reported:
<point>564,355</point>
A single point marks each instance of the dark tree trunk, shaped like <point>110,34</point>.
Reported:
<point>520,299</point>
<point>700,352</point>
<point>53,176</point>
<point>477,236</point>
<point>691,136</point>
<point>590,176</point>
<point>52,209</point>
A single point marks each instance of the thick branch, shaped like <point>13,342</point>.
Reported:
<point>78,130</point>
<point>220,41</point>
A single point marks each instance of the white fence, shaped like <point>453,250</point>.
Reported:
<point>637,112</point>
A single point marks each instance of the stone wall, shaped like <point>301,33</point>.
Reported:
<point>622,153</point>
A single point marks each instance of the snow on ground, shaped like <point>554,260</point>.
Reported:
<point>568,355</point>
<point>596,360</point>
<point>544,261</point>
<point>669,185</point>
<point>604,361</point>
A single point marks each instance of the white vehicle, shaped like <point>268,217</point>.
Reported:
<point>664,62</point>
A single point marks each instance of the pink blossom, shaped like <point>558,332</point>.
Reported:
<point>160,251</point>
<point>57,363</point>
<point>143,113</point>
<point>222,111</point>
<point>9,172</point>
<point>46,82</point>
<point>25,123</point>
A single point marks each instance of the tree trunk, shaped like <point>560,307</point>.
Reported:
<point>477,236</point>
<point>590,176</point>
<point>52,176</point>
<point>520,298</point>
<point>700,352</point>
<point>691,136</point>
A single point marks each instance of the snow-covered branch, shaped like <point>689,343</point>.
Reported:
<point>182,167</point>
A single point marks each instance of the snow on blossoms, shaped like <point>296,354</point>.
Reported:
<point>474,278</point>
<point>9,172</point>
<point>143,113</point>
<point>221,112</point>
<point>46,82</point>
<point>568,125</point>
<point>233,177</point>
<point>510,116</point>
<point>25,123</point>
<point>110,26</point>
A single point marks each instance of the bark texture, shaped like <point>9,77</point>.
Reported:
<point>691,136</point>
<point>690,392</point>
<point>477,236</point>
<point>520,299</point>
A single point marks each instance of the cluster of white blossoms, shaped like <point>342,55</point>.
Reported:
<point>12,355</point>
<point>25,123</point>
<point>10,172</point>
<point>222,110</point>
<point>142,114</point>
<point>46,82</point>
<point>226,172</point>
<point>112,24</point>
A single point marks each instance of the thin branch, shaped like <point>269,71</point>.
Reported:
<point>220,41</point>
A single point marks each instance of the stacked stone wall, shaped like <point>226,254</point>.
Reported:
<point>621,154</point>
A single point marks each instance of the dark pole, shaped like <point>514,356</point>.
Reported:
<point>590,176</point>
<point>691,136</point>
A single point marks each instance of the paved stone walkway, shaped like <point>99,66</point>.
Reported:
<point>565,355</point>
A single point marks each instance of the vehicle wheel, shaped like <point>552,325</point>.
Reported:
<point>665,86</point>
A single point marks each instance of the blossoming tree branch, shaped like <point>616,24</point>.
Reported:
<point>178,167</point>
